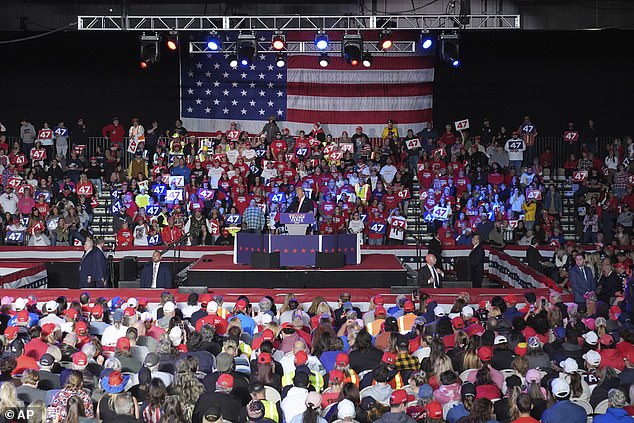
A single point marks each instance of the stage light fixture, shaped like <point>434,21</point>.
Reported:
<point>246,47</point>
<point>352,48</point>
<point>278,42</point>
<point>150,52</point>
<point>324,60</point>
<point>171,41</point>
<point>321,41</point>
<point>450,49</point>
<point>214,43</point>
<point>426,40</point>
<point>367,60</point>
<point>233,61</point>
<point>385,40</point>
<point>280,60</point>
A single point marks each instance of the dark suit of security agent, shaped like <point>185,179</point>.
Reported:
<point>476,262</point>
<point>93,268</point>
<point>156,274</point>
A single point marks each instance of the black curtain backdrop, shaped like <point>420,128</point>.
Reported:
<point>552,76</point>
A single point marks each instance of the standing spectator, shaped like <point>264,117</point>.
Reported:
<point>254,218</point>
<point>270,129</point>
<point>61,140</point>
<point>590,226</point>
<point>515,148</point>
<point>476,262</point>
<point>581,281</point>
<point>114,133</point>
<point>94,172</point>
<point>81,133</point>
<point>27,135</point>
<point>528,131</point>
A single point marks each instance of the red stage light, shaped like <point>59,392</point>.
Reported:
<point>171,45</point>
<point>354,62</point>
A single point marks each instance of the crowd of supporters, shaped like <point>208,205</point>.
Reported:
<point>508,360</point>
<point>487,181</point>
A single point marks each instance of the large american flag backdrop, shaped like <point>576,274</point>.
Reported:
<point>341,96</point>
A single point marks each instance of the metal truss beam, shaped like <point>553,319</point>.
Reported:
<point>307,47</point>
<point>296,23</point>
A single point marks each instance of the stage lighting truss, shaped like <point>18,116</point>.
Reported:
<point>306,47</point>
<point>296,23</point>
<point>385,40</point>
<point>150,50</point>
<point>214,42</point>
<point>246,47</point>
<point>278,42</point>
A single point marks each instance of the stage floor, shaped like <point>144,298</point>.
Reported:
<point>375,271</point>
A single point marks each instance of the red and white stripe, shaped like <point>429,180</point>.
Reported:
<point>342,97</point>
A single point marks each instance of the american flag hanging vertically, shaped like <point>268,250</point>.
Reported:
<point>341,97</point>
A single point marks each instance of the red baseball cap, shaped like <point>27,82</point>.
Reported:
<point>23,316</point>
<point>378,300</point>
<point>129,311</point>
<point>400,396</point>
<point>511,299</point>
<point>342,359</point>
<point>434,410</point>
<point>485,353</point>
<point>379,312</point>
<point>606,339</point>
<point>123,343</point>
<point>268,335</point>
<point>241,305</point>
<point>389,358</point>
<point>80,327</point>
<point>48,328</point>
<point>408,306</point>
<point>97,310</point>
<point>521,349</point>
<point>301,358</point>
<point>11,332</point>
<point>225,381</point>
<point>457,322</point>
<point>265,358</point>
<point>336,376</point>
<point>143,301</point>
<point>71,312</point>
<point>80,359</point>
<point>205,299</point>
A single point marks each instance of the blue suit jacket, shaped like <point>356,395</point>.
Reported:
<point>581,284</point>
<point>164,277</point>
<point>95,265</point>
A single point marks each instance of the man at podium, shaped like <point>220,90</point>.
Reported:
<point>301,203</point>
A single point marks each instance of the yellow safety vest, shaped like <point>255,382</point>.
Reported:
<point>315,379</point>
<point>270,410</point>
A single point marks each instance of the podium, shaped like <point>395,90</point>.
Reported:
<point>297,223</point>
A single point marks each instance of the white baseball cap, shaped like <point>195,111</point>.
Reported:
<point>500,339</point>
<point>569,365</point>
<point>133,302</point>
<point>51,306</point>
<point>439,311</point>
<point>212,307</point>
<point>146,317</point>
<point>20,303</point>
<point>560,387</point>
<point>176,335</point>
<point>591,338</point>
<point>592,357</point>
<point>467,311</point>
<point>169,307</point>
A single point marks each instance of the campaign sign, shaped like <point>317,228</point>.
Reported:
<point>153,210</point>
<point>173,195</point>
<point>300,152</point>
<point>571,136</point>
<point>178,181</point>
<point>206,194</point>
<point>94,202</point>
<point>516,144</point>
<point>461,125</point>
<point>233,219</point>
<point>15,236</point>
<point>335,156</point>
<point>84,189</point>
<point>154,240</point>
<point>412,144</point>
<point>364,218</point>
<point>45,134</point>
<point>233,135</point>
<point>133,145</point>
<point>80,148</point>
<point>346,146</point>
<point>143,185</point>
<point>329,149</point>
<point>159,190</point>
<point>580,176</point>
<point>22,188</point>
<point>215,227</point>
<point>420,166</point>
<point>440,213</point>
<point>297,218</point>
<point>630,179</point>
<point>14,182</point>
<point>52,224</point>
<point>378,228</point>
<point>440,151</point>
<point>404,194</point>
<point>24,221</point>
<point>534,194</point>
<point>38,154</point>
<point>20,160</point>
<point>116,207</point>
<point>513,224</point>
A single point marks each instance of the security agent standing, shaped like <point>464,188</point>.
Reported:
<point>429,275</point>
<point>93,268</point>
<point>476,262</point>
<point>156,274</point>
